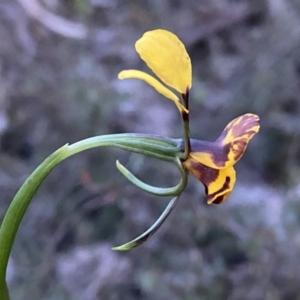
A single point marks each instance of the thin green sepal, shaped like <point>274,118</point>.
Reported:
<point>145,236</point>
<point>173,191</point>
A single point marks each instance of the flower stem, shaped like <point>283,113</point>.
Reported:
<point>17,209</point>
<point>186,127</point>
<point>5,293</point>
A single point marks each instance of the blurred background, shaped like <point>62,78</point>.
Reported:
<point>59,62</point>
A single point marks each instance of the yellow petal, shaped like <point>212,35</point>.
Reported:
<point>230,146</point>
<point>159,87</point>
<point>166,56</point>
<point>218,183</point>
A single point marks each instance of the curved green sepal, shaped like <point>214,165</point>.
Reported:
<point>173,191</point>
<point>145,236</point>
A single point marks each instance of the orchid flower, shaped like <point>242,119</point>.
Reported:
<point>210,162</point>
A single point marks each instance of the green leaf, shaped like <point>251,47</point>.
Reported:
<point>17,209</point>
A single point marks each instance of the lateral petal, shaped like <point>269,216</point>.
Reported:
<point>158,86</point>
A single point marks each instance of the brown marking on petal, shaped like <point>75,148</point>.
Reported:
<point>237,147</point>
<point>221,159</point>
<point>224,188</point>
<point>205,174</point>
<point>218,183</point>
<point>245,125</point>
<point>185,116</point>
<point>220,199</point>
<point>185,98</point>
<point>217,153</point>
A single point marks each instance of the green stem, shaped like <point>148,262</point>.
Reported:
<point>5,293</point>
<point>154,146</point>
<point>17,208</point>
